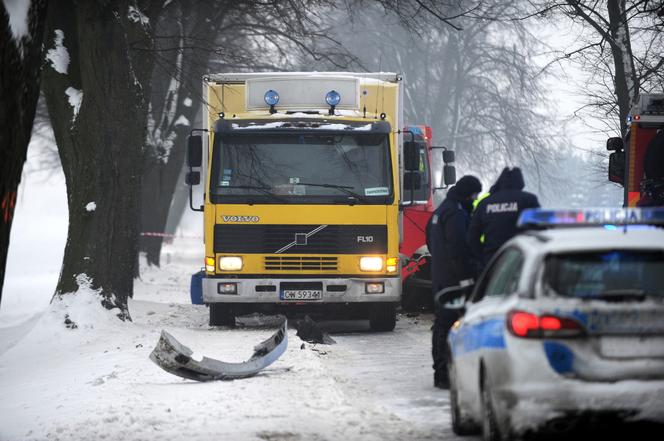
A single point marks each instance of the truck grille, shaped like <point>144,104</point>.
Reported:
<point>300,263</point>
<point>300,239</point>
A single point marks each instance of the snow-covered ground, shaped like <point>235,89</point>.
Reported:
<point>97,382</point>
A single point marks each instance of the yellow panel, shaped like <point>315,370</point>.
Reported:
<point>307,214</point>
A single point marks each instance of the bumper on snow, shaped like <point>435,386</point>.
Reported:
<point>333,290</point>
<point>177,359</point>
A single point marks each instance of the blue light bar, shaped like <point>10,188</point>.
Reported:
<point>591,216</point>
<point>333,98</point>
<point>271,97</point>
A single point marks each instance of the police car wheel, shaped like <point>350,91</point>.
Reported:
<point>222,314</point>
<point>461,424</point>
<point>490,430</point>
<point>382,317</point>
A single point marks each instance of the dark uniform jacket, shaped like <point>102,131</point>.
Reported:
<point>496,216</point>
<point>446,238</point>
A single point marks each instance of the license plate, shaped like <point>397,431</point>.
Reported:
<point>301,294</point>
<point>632,347</point>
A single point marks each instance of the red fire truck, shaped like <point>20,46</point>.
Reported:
<point>418,206</point>
<point>637,161</point>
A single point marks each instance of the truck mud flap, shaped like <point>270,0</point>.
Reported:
<point>175,358</point>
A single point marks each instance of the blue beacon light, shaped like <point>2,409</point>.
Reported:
<point>271,98</point>
<point>332,99</point>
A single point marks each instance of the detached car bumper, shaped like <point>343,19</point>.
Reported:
<point>333,290</point>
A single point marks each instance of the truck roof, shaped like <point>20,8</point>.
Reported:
<point>241,77</point>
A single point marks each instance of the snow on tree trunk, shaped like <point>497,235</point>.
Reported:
<point>21,30</point>
<point>98,111</point>
<point>626,80</point>
<point>175,103</point>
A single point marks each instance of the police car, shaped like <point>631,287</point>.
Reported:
<point>564,325</point>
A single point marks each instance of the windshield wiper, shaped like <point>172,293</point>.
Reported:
<point>341,188</point>
<point>264,190</point>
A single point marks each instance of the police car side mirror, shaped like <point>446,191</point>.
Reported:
<point>614,144</point>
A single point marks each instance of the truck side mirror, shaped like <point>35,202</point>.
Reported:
<point>193,178</point>
<point>448,156</point>
<point>194,150</point>
<point>449,174</point>
<point>411,156</point>
<point>617,167</point>
<point>412,180</point>
<point>614,144</point>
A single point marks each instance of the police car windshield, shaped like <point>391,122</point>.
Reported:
<point>606,275</point>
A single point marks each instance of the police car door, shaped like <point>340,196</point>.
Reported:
<point>481,330</point>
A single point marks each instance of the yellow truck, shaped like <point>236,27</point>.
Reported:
<point>302,189</point>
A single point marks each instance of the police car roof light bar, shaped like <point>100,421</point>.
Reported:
<point>537,218</point>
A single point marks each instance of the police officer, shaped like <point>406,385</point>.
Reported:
<point>450,261</point>
<point>496,216</point>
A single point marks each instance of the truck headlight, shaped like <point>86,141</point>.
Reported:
<point>230,263</point>
<point>209,264</point>
<point>371,263</point>
<point>392,264</point>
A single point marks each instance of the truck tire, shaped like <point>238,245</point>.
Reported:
<point>383,317</point>
<point>222,314</point>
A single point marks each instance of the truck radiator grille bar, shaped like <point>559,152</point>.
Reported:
<point>300,239</point>
<point>300,263</point>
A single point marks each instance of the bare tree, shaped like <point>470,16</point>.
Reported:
<point>620,45</point>
<point>21,29</point>
<point>97,95</point>
<point>479,88</point>
<point>219,36</point>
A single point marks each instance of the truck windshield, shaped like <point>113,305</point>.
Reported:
<point>301,168</point>
<point>606,275</point>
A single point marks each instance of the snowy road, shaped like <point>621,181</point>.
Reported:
<point>96,381</point>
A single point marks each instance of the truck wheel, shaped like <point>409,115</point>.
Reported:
<point>408,294</point>
<point>383,317</point>
<point>222,314</point>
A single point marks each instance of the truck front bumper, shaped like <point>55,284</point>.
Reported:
<point>267,290</point>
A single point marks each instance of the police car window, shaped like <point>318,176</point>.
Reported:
<point>504,275</point>
<point>605,275</point>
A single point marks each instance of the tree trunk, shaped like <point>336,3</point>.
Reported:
<point>20,58</point>
<point>159,184</point>
<point>175,102</point>
<point>626,81</point>
<point>100,142</point>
